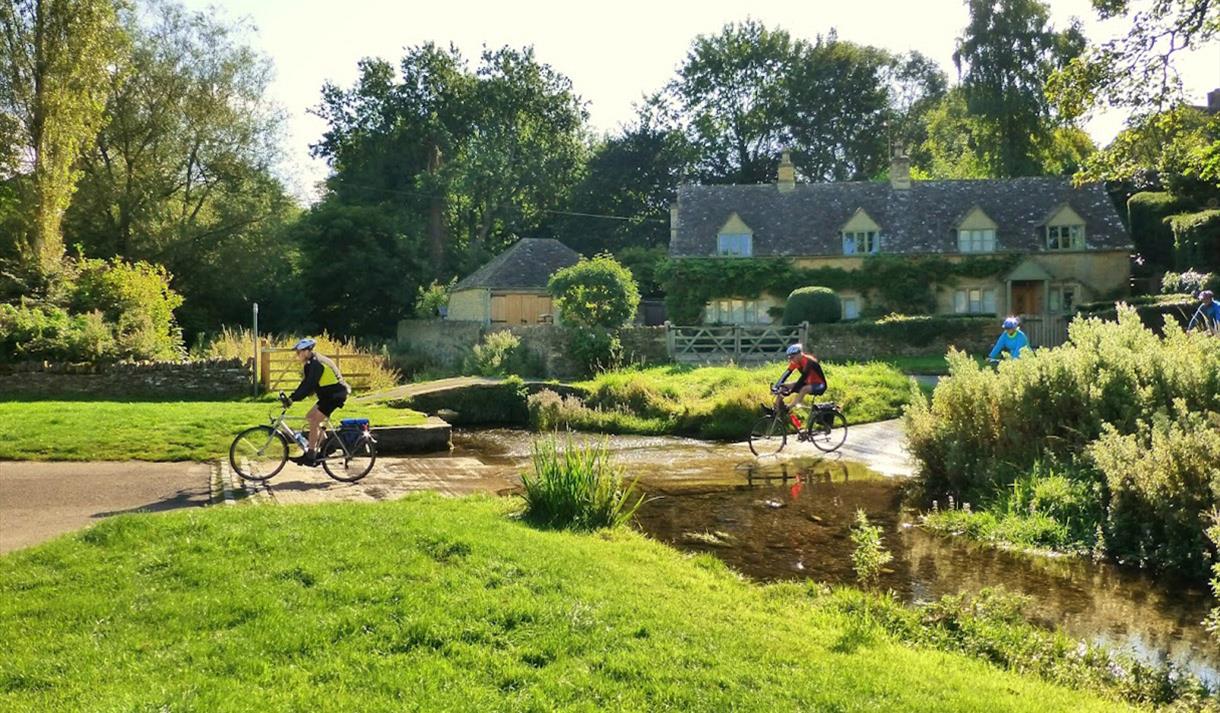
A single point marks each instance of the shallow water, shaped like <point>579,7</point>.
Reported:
<point>787,519</point>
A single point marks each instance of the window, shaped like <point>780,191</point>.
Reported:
<point>1065,237</point>
<point>735,244</point>
<point>976,300</point>
<point>976,241</point>
<point>861,242</point>
<point>1062,298</point>
<point>851,308</point>
<point>729,311</point>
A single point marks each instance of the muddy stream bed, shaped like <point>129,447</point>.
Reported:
<point>789,518</point>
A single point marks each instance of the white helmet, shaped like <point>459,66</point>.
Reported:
<point>794,350</point>
<point>306,343</point>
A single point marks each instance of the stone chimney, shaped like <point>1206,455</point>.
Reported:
<point>1213,101</point>
<point>900,171</point>
<point>786,180</point>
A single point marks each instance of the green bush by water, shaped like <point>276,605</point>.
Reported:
<point>578,487</point>
<point>815,305</point>
<point>1132,419</point>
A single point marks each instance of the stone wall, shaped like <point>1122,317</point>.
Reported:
<point>447,343</point>
<point>210,378</point>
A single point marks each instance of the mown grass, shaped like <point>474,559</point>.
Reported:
<point>149,430</point>
<point>435,604</point>
<point>719,402</point>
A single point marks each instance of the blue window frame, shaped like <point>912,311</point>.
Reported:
<point>735,244</point>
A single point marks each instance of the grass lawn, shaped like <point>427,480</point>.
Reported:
<point>438,604</point>
<point>148,430</point>
<point>723,401</point>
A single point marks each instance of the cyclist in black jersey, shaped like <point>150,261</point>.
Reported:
<point>321,377</point>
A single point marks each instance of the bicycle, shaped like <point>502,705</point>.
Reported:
<point>347,455</point>
<point>771,432</point>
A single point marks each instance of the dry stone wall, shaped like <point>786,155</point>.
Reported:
<point>207,378</point>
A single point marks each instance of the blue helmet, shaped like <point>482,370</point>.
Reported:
<point>306,343</point>
<point>793,350</point>
<point>1012,323</point>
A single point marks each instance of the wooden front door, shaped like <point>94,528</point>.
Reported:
<point>1026,297</point>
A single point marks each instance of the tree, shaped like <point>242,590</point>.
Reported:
<point>1136,70</point>
<point>1005,56</point>
<point>60,56</point>
<point>485,155</point>
<point>917,86</point>
<point>182,173</point>
<point>958,144</point>
<point>595,292</point>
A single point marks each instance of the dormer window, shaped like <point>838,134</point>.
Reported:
<point>1065,230</point>
<point>735,245</point>
<point>976,232</point>
<point>980,240</point>
<point>861,242</point>
<point>735,238</point>
<point>1065,237</point>
<point>861,235</point>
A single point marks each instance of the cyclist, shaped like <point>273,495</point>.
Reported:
<point>322,377</point>
<point>810,380</point>
<point>1208,313</point>
<point>1011,339</point>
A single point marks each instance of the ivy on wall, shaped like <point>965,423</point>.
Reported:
<point>902,284</point>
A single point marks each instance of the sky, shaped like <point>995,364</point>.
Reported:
<point>614,52</point>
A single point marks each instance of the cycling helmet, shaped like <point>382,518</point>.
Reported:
<point>1012,323</point>
<point>306,343</point>
<point>794,350</point>
<point>1206,294</point>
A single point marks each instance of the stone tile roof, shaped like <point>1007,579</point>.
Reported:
<point>526,265</point>
<point>806,220</point>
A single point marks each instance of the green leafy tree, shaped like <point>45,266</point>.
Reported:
<point>957,143</point>
<point>1005,56</point>
<point>1137,69</point>
<point>59,59</point>
<point>917,86</point>
<point>595,292</point>
<point>182,173</point>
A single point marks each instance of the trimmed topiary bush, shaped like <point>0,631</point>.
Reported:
<point>596,292</point>
<point>1196,239</point>
<point>816,305</point>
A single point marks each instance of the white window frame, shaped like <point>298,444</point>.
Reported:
<point>976,240</point>
<point>1065,237</point>
<point>1056,303</point>
<point>732,250</point>
<point>871,240</point>
<point>851,308</point>
<point>734,310</point>
<point>974,300</point>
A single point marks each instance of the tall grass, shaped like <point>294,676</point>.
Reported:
<point>232,343</point>
<point>578,488</point>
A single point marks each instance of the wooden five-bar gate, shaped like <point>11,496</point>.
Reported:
<point>279,370</point>
<point>737,343</point>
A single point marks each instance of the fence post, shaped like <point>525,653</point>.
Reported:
<point>804,333</point>
<point>256,351</point>
<point>736,342</point>
<point>265,369</point>
<point>669,339</point>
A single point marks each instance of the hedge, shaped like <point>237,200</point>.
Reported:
<point>1153,238</point>
<point>816,305</point>
<point>1196,239</point>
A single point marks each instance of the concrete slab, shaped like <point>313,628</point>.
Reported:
<point>39,501</point>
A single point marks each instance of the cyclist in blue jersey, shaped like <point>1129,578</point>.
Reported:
<point>1012,340</point>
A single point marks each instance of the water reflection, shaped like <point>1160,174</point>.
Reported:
<point>785,518</point>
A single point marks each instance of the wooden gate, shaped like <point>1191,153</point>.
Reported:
<point>1045,330</point>
<point>279,369</point>
<point>737,343</point>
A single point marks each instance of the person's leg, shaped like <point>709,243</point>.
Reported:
<point>800,396</point>
<point>315,418</point>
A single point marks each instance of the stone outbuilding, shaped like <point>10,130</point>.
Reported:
<point>511,288</point>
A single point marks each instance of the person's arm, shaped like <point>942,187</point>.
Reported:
<point>309,384</point>
<point>783,378</point>
<point>997,349</point>
<point>1195,318</point>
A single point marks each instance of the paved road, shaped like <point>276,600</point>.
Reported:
<point>39,501</point>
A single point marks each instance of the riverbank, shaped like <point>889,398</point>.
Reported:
<point>467,610</point>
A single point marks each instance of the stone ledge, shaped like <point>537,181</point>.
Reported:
<point>433,436</point>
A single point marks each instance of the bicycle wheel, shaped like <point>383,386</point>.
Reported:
<point>832,434</point>
<point>258,453</point>
<point>769,435</point>
<point>350,465</point>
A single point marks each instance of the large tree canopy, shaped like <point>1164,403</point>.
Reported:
<point>60,57</point>
<point>1005,56</point>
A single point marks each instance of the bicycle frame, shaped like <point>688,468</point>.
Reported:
<point>279,425</point>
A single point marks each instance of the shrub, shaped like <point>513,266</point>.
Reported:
<point>137,299</point>
<point>1213,534</point>
<point>237,343</point>
<point>51,333</point>
<point>596,292</point>
<point>869,554</point>
<point>1196,238</point>
<point>578,488</point>
<point>816,305</point>
<point>495,355</point>
<point>429,300</point>
<point>1153,237</point>
<point>595,349</point>
<point>1190,282</point>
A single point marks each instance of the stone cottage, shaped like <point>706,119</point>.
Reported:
<point>511,288</point>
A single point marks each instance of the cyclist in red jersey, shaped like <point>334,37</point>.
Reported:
<point>811,380</point>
